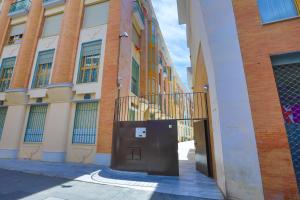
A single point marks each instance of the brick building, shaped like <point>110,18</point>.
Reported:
<point>63,64</point>
<point>246,52</point>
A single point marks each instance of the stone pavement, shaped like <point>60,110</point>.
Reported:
<point>17,185</point>
<point>189,183</point>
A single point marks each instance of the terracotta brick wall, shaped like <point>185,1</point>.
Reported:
<point>63,70</point>
<point>119,21</point>
<point>4,23</point>
<point>257,43</point>
<point>25,58</point>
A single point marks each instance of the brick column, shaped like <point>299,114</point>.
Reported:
<point>4,23</point>
<point>66,52</point>
<point>119,21</point>
<point>28,47</point>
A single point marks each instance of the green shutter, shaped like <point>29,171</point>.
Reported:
<point>135,77</point>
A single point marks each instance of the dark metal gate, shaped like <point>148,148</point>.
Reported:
<point>146,133</point>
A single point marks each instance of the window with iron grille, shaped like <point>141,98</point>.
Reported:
<point>3,111</point>
<point>43,69</point>
<point>85,123</point>
<point>135,77</point>
<point>35,124</point>
<point>6,72</point>
<point>89,62</point>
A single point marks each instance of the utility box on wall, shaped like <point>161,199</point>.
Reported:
<point>149,146</point>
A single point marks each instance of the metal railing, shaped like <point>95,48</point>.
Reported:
<point>181,106</point>
<point>20,5</point>
<point>137,8</point>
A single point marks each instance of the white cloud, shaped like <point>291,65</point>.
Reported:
<point>174,35</point>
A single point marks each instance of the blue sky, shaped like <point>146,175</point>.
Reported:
<point>174,34</point>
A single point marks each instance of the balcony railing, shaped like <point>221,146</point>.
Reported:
<point>19,8</point>
<point>137,11</point>
<point>52,3</point>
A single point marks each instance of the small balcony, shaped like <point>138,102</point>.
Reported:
<point>138,14</point>
<point>19,8</point>
<point>52,3</point>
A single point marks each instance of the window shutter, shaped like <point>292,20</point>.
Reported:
<point>96,15</point>
<point>91,48</point>
<point>46,57</point>
<point>8,62</point>
<point>17,29</point>
<point>52,25</point>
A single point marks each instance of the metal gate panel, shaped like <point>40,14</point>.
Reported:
<point>154,154</point>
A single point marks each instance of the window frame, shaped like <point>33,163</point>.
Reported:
<point>2,73</point>
<point>80,76</point>
<point>37,67</point>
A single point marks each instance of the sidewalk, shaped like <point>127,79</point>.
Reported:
<point>189,183</point>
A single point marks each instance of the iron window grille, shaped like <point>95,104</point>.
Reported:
<point>6,72</point>
<point>89,62</point>
<point>85,123</point>
<point>35,124</point>
<point>43,69</point>
<point>3,111</point>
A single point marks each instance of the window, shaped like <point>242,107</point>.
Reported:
<point>6,72</point>
<point>275,10</point>
<point>89,62</point>
<point>1,3</point>
<point>136,39</point>
<point>52,25</point>
<point>96,11</point>
<point>3,111</point>
<point>135,77</point>
<point>43,69</point>
<point>85,123</point>
<point>16,34</point>
<point>35,125</point>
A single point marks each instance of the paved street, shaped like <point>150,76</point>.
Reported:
<point>17,185</point>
